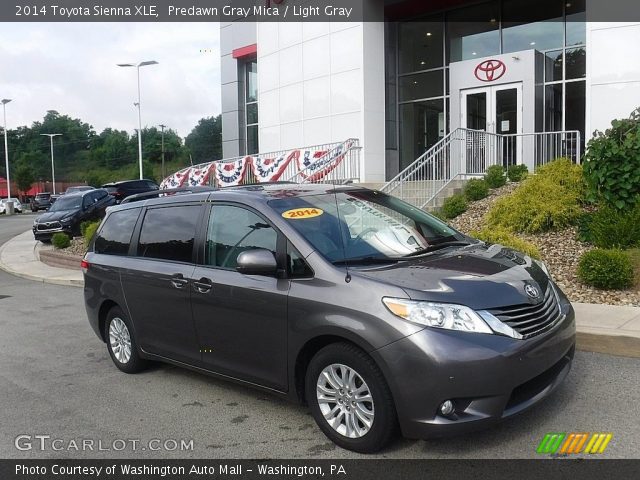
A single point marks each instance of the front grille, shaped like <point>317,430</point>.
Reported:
<point>530,320</point>
<point>49,226</point>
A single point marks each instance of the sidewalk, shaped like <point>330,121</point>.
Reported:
<point>19,256</point>
<point>601,328</point>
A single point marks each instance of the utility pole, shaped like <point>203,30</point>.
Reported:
<point>6,147</point>
<point>164,175</point>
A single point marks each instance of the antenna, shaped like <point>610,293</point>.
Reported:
<point>347,277</point>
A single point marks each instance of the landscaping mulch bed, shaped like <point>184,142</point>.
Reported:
<point>560,250</point>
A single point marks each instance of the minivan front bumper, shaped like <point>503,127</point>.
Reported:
<point>487,377</point>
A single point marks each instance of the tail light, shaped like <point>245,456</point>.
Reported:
<point>84,265</point>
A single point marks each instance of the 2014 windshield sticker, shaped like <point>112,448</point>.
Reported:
<point>300,213</point>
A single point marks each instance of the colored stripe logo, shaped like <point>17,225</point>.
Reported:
<point>574,442</point>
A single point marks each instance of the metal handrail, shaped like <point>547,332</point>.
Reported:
<point>464,153</point>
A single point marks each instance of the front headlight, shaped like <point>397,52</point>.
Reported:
<point>66,219</point>
<point>438,315</point>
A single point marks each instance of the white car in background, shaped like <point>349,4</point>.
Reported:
<point>17,206</point>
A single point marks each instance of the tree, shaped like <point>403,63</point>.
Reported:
<point>205,140</point>
<point>24,177</point>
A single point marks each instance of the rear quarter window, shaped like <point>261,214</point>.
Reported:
<point>168,233</point>
<point>114,237</point>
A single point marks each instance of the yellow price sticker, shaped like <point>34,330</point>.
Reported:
<point>299,213</point>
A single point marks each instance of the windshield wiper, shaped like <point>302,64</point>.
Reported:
<point>367,260</point>
<point>437,246</point>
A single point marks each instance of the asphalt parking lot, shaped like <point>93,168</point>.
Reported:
<point>57,380</point>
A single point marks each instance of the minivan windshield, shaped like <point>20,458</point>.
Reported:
<point>363,226</point>
<point>67,203</point>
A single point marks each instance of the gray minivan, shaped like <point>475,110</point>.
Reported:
<point>373,312</point>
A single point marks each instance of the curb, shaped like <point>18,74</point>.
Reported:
<point>617,345</point>
<point>36,278</point>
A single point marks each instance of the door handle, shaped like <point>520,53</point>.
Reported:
<point>178,281</point>
<point>203,285</point>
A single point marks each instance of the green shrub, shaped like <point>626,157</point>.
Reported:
<point>60,240</point>
<point>502,236</point>
<point>564,172</point>
<point>606,269</point>
<point>494,176</point>
<point>454,206</point>
<point>613,228</point>
<point>476,189</point>
<point>612,163</point>
<point>545,201</point>
<point>517,173</point>
<point>89,232</point>
<point>584,227</point>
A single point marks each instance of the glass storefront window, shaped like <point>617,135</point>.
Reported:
<point>553,66</point>
<point>252,81</point>
<point>576,22</point>
<point>421,85</point>
<point>422,125</point>
<point>575,59</point>
<point>553,107</point>
<point>252,139</point>
<point>575,106</point>
<point>420,45</point>
<point>252,113</point>
<point>532,24</point>
<point>473,32</point>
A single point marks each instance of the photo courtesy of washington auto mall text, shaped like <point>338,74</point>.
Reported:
<point>319,239</point>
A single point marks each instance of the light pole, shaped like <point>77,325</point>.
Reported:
<point>53,170</point>
<point>6,145</point>
<point>162,127</point>
<point>138,65</point>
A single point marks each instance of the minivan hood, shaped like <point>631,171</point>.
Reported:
<point>478,276</point>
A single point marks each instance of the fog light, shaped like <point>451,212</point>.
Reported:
<point>446,408</point>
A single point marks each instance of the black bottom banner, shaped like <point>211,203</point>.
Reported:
<point>573,469</point>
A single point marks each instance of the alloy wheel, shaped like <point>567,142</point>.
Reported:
<point>120,340</point>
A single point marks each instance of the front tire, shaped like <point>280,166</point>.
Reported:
<point>350,399</point>
<point>121,342</point>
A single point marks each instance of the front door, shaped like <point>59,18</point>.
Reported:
<point>494,110</point>
<point>241,319</point>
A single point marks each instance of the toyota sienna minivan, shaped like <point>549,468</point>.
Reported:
<point>371,311</point>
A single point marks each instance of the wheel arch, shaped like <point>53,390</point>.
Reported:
<point>102,315</point>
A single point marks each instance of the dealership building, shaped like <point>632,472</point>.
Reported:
<point>400,86</point>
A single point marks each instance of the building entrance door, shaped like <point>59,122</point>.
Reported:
<point>494,110</point>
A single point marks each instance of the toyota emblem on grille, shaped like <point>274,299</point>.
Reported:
<point>532,291</point>
<point>490,70</point>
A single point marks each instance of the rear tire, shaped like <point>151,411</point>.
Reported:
<point>362,415</point>
<point>121,342</point>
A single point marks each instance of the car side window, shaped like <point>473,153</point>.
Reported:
<point>115,235</point>
<point>168,233</point>
<point>233,230</point>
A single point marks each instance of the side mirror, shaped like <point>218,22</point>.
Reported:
<point>257,262</point>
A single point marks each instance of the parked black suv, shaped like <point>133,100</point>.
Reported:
<point>126,188</point>
<point>69,211</point>
<point>42,201</point>
<point>367,308</point>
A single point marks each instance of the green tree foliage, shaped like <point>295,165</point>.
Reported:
<point>82,155</point>
<point>205,140</point>
<point>24,177</point>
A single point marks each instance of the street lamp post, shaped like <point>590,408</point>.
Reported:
<point>138,65</point>
<point>53,170</point>
<point>6,145</point>
<point>162,127</point>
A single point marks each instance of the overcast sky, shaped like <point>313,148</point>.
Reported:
<point>71,68</point>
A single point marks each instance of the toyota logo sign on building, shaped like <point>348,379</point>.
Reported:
<point>490,70</point>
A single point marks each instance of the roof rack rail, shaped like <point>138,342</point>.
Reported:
<point>157,193</point>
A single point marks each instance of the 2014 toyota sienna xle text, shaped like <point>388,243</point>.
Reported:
<point>373,312</point>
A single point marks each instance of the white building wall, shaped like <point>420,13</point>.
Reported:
<point>613,73</point>
<point>321,83</point>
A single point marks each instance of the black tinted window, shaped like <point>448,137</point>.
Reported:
<point>168,233</point>
<point>232,230</point>
<point>115,235</point>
